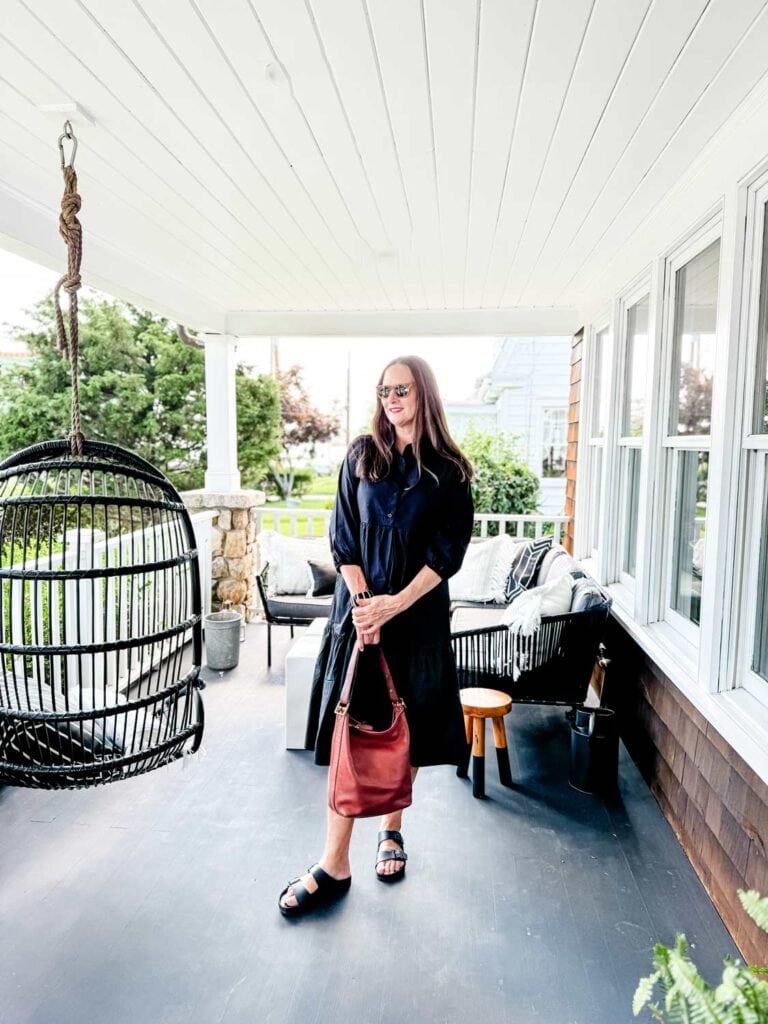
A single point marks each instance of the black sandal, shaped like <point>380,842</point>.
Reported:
<point>384,855</point>
<point>328,890</point>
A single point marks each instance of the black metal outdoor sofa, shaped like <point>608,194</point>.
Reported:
<point>553,667</point>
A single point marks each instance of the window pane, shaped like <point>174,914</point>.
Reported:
<point>690,530</point>
<point>761,403</point>
<point>602,382</point>
<point>597,475</point>
<point>632,457</point>
<point>637,357</point>
<point>694,343</point>
<point>760,653</point>
<point>555,438</point>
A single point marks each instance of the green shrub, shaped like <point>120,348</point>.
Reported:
<point>740,998</point>
<point>503,482</point>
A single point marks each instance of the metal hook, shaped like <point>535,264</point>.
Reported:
<point>68,133</point>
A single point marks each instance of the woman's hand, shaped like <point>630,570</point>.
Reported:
<point>371,636</point>
<point>371,614</point>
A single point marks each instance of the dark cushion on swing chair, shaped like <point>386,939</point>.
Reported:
<point>57,741</point>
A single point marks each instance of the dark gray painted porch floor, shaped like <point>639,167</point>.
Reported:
<point>154,901</point>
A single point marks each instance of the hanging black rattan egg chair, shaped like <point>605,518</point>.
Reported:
<point>99,592</point>
<point>99,596</point>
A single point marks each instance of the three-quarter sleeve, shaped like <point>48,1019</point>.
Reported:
<point>345,518</point>
<point>449,541</point>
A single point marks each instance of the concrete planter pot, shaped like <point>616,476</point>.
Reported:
<point>223,631</point>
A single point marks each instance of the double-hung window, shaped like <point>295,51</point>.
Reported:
<point>554,440</point>
<point>631,425</point>
<point>600,376</point>
<point>692,286</point>
<point>752,667</point>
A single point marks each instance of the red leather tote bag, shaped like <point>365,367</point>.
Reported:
<point>370,770</point>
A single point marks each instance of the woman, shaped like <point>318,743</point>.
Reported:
<point>400,527</point>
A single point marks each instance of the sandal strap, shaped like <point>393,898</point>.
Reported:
<point>301,892</point>
<point>326,882</point>
<point>321,877</point>
<point>391,855</point>
<point>390,834</point>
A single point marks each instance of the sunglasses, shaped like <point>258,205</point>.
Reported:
<point>401,390</point>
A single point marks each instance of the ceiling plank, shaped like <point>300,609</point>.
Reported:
<point>293,32</point>
<point>660,42</point>
<point>150,156</point>
<point>612,32</point>
<point>284,146</point>
<point>345,34</point>
<point>113,207</point>
<point>708,48</point>
<point>737,78</point>
<point>192,94</point>
<point>451,34</point>
<point>558,34</point>
<point>505,34</point>
<point>399,37</point>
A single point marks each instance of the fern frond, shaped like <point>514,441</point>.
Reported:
<point>756,906</point>
<point>740,998</point>
<point>643,992</point>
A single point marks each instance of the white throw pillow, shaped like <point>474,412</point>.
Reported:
<point>483,573</point>
<point>526,611</point>
<point>288,558</point>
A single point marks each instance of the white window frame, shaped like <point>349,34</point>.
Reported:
<point>751,456</point>
<point>636,291</point>
<point>688,633</point>
<point>590,504</point>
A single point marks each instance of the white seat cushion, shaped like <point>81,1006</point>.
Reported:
<point>484,570</point>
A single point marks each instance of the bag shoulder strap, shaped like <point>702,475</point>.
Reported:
<point>349,679</point>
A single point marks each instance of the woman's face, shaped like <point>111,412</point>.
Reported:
<point>400,410</point>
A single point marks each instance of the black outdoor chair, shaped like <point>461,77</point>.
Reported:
<point>555,665</point>
<point>288,609</point>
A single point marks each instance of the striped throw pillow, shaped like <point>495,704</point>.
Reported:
<point>525,566</point>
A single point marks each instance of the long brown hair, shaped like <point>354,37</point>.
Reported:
<point>430,427</point>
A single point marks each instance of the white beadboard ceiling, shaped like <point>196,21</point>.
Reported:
<point>315,166</point>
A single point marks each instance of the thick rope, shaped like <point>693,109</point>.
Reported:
<point>72,233</point>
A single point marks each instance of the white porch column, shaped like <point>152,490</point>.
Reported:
<point>221,413</point>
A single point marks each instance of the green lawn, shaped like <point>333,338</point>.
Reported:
<point>323,485</point>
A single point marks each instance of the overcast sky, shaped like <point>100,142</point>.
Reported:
<point>457,362</point>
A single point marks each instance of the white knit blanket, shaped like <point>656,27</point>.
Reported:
<point>523,619</point>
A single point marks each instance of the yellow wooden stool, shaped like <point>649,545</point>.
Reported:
<point>479,703</point>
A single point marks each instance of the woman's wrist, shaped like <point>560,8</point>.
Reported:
<point>362,595</point>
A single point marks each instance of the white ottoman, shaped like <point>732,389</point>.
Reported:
<point>299,668</point>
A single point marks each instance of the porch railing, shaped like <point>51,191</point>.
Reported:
<point>297,522</point>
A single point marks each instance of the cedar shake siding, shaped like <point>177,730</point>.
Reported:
<point>716,804</point>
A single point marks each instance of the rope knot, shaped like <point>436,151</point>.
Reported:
<point>70,284</point>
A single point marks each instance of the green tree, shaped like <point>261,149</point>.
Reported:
<point>503,482</point>
<point>140,387</point>
<point>304,427</point>
<point>258,425</point>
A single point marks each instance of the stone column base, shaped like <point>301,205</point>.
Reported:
<point>233,547</point>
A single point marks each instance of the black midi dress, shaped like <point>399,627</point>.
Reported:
<point>392,528</point>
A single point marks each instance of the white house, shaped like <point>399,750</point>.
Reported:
<point>525,393</point>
